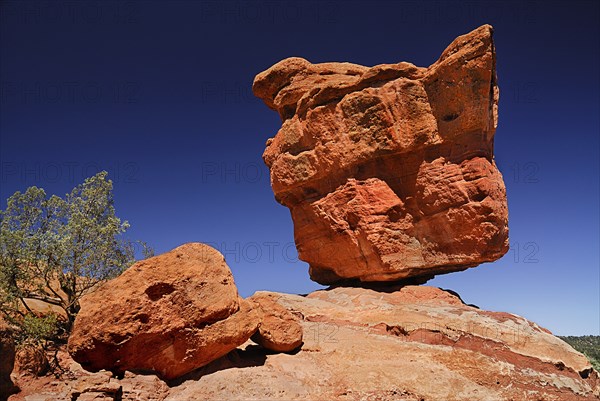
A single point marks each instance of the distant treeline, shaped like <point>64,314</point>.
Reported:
<point>588,345</point>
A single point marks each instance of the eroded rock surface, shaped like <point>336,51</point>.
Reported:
<point>31,359</point>
<point>279,330</point>
<point>411,344</point>
<point>169,314</point>
<point>77,384</point>
<point>389,171</point>
<point>416,343</point>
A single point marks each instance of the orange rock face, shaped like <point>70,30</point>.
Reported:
<point>169,314</point>
<point>32,360</point>
<point>415,343</point>
<point>278,330</point>
<point>408,343</point>
<point>389,171</point>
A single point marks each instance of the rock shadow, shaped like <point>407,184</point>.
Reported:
<point>457,295</point>
<point>382,286</point>
<point>251,355</point>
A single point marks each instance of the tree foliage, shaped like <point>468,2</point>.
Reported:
<point>56,250</point>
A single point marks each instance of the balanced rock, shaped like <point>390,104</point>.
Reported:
<point>389,171</point>
<point>279,330</point>
<point>169,314</point>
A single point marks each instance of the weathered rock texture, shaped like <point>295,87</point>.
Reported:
<point>31,359</point>
<point>279,330</point>
<point>417,343</point>
<point>77,384</point>
<point>169,314</point>
<point>388,171</point>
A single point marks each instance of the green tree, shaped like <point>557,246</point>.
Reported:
<point>56,250</point>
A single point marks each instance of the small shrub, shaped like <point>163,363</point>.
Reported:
<point>38,329</point>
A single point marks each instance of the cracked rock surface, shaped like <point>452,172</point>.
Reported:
<point>389,171</point>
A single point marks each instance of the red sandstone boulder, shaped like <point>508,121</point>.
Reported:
<point>279,330</point>
<point>169,314</point>
<point>389,171</point>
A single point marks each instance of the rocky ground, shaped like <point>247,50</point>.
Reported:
<point>416,343</point>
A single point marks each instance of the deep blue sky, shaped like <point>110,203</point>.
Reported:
<point>159,94</point>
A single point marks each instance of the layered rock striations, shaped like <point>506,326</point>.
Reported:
<point>389,171</point>
<point>414,343</point>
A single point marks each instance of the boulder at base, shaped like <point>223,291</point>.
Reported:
<point>169,314</point>
<point>279,330</point>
